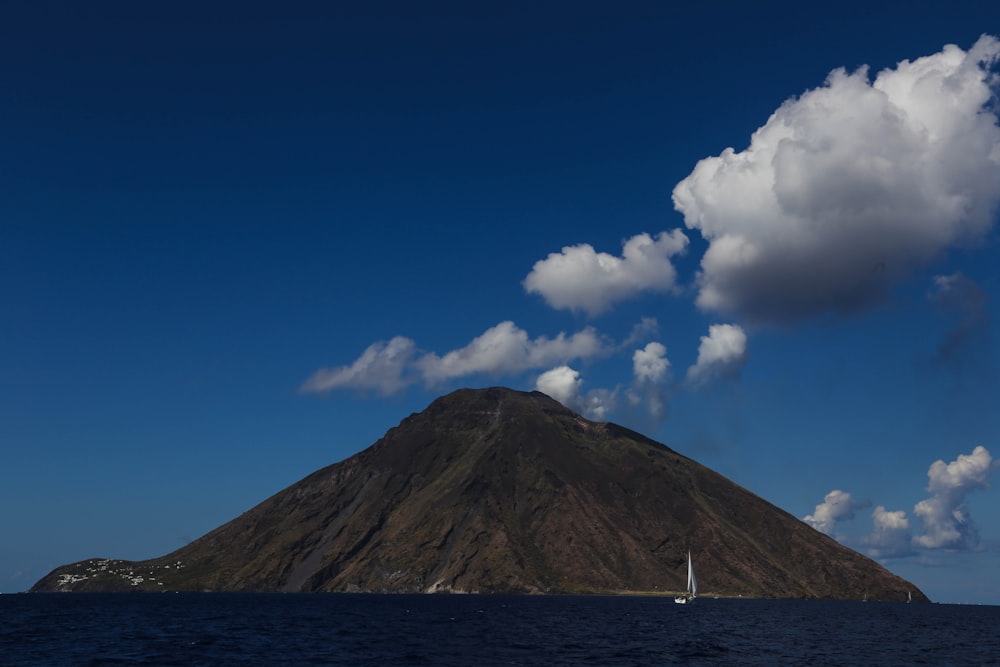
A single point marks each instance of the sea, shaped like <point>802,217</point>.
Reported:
<point>485,630</point>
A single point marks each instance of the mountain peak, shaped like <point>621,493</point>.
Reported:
<point>494,403</point>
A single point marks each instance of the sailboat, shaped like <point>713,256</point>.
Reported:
<point>692,586</point>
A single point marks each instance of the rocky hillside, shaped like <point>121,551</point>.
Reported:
<point>496,490</point>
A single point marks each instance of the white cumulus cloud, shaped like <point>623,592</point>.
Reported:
<point>721,353</point>
<point>506,348</point>
<point>836,506</point>
<point>561,383</point>
<point>564,384</point>
<point>650,364</point>
<point>944,516</point>
<point>890,536</point>
<point>848,187</point>
<point>580,278</point>
<point>381,367</point>
<point>650,370</point>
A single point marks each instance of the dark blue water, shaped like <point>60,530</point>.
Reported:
<point>252,629</point>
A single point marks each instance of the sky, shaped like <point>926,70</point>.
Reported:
<point>238,245</point>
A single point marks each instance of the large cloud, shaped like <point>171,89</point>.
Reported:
<point>944,516</point>
<point>848,187</point>
<point>721,354</point>
<point>579,278</point>
<point>502,349</point>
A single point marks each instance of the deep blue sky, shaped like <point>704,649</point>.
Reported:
<point>208,214</point>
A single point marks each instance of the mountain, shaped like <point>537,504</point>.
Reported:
<point>496,490</point>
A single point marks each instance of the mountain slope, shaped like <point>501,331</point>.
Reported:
<point>495,490</point>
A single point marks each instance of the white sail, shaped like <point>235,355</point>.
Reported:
<point>692,581</point>
<point>692,585</point>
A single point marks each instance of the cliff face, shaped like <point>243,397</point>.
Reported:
<point>495,490</point>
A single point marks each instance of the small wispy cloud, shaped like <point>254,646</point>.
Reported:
<point>581,279</point>
<point>383,367</point>
<point>960,298</point>
<point>646,328</point>
<point>647,393</point>
<point>721,354</point>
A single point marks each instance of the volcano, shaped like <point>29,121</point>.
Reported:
<point>500,491</point>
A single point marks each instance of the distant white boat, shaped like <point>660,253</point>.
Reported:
<point>909,597</point>
<point>692,586</point>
